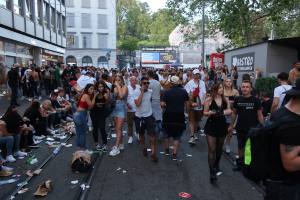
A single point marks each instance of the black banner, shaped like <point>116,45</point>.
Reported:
<point>244,62</point>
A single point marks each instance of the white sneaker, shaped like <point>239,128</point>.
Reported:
<point>192,140</point>
<point>5,168</point>
<point>121,147</point>
<point>20,154</point>
<point>114,151</point>
<point>40,97</point>
<point>195,137</point>
<point>90,128</point>
<point>227,149</point>
<point>10,158</point>
<point>130,140</point>
<point>137,136</point>
<point>98,147</point>
<point>89,151</point>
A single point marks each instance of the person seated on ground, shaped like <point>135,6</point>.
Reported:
<point>26,141</point>
<point>6,144</point>
<point>63,101</point>
<point>38,122</point>
<point>14,126</point>
<point>48,112</point>
<point>60,111</point>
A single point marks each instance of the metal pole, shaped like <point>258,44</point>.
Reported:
<point>203,35</point>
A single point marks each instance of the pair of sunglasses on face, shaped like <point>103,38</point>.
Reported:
<point>146,83</point>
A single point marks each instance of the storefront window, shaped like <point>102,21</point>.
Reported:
<point>18,7</point>
<point>46,14</point>
<point>1,46</point>
<point>5,4</point>
<point>10,47</point>
<point>23,50</point>
<point>38,11</point>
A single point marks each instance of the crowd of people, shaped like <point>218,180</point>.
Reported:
<point>152,104</point>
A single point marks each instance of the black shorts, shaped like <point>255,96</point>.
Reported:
<point>241,138</point>
<point>145,124</point>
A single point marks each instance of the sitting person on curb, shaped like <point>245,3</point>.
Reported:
<point>4,171</point>
<point>14,126</point>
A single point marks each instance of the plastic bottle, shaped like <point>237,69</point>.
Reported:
<point>8,181</point>
<point>56,150</point>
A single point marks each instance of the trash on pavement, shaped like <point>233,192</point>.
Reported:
<point>124,171</point>
<point>83,186</point>
<point>68,145</point>
<point>189,155</point>
<point>29,173</point>
<point>22,184</point>
<point>50,139</point>
<point>119,168</point>
<point>9,181</point>
<point>113,135</point>
<point>22,191</point>
<point>149,150</point>
<point>32,160</point>
<point>162,152</point>
<point>43,189</point>
<point>37,172</point>
<point>184,195</point>
<point>74,182</point>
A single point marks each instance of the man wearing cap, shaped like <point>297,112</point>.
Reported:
<point>197,92</point>
<point>284,180</point>
<point>173,117</point>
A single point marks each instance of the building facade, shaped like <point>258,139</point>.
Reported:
<point>91,33</point>
<point>32,31</point>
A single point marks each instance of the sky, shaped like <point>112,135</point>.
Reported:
<point>155,4</point>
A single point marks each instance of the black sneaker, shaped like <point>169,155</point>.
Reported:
<point>174,157</point>
<point>145,152</point>
<point>167,152</point>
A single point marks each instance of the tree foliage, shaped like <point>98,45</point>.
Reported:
<point>245,21</point>
<point>137,26</point>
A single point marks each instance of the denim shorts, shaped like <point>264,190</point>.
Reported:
<point>120,109</point>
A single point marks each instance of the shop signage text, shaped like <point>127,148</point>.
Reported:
<point>243,62</point>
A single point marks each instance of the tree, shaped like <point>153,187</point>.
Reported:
<point>242,21</point>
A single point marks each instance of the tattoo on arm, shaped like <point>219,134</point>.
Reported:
<point>289,148</point>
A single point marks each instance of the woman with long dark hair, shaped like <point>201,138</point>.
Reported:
<point>85,102</point>
<point>120,91</point>
<point>216,128</point>
<point>99,113</point>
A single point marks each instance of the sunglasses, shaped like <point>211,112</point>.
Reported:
<point>146,83</point>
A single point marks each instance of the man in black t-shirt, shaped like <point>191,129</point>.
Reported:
<point>284,180</point>
<point>248,112</point>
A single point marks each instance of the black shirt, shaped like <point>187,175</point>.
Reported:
<point>175,98</point>
<point>286,136</point>
<point>246,108</point>
<point>13,77</point>
<point>13,122</point>
<point>266,105</point>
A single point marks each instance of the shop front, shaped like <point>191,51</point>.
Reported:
<point>51,58</point>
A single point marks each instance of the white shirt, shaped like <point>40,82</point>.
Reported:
<point>202,75</point>
<point>132,95</point>
<point>84,80</point>
<point>155,87</point>
<point>191,86</point>
<point>145,109</point>
<point>278,92</point>
<point>108,84</point>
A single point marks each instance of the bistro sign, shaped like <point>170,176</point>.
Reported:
<point>243,62</point>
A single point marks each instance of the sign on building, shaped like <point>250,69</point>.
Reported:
<point>167,58</point>
<point>150,57</point>
<point>243,62</point>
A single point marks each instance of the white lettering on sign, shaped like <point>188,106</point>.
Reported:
<point>244,62</point>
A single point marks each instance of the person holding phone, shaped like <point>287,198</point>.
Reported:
<point>230,93</point>
<point>120,92</point>
<point>99,113</point>
<point>216,108</point>
<point>86,101</point>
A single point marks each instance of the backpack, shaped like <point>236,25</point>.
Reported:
<point>81,162</point>
<point>258,147</point>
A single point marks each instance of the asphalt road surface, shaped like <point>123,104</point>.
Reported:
<point>131,176</point>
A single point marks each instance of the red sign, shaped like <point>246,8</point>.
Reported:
<point>216,60</point>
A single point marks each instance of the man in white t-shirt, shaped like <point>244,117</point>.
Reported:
<point>133,93</point>
<point>85,79</point>
<point>144,121</point>
<point>197,92</point>
<point>279,92</point>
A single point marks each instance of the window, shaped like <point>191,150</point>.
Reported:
<point>70,3</point>
<point>102,40</point>
<point>85,3</point>
<point>46,12</point>
<point>1,46</point>
<point>63,22</point>
<point>102,61</point>
<point>87,61</point>
<point>38,12</point>
<point>102,4</point>
<point>53,17</point>
<point>85,20</point>
<point>102,21</point>
<point>5,4</point>
<point>71,60</point>
<point>71,20</point>
<point>28,9</point>
<point>10,47</point>
<point>86,40</point>
<point>72,40</point>
<point>58,23</point>
<point>18,7</point>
